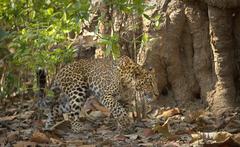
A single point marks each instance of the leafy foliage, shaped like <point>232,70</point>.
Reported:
<point>30,29</point>
<point>33,27</point>
<point>112,47</point>
<point>36,25</point>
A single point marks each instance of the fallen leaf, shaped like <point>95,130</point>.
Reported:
<point>103,130</point>
<point>233,126</point>
<point>25,115</point>
<point>186,138</point>
<point>93,105</point>
<point>169,113</point>
<point>196,136</point>
<point>7,118</point>
<point>12,136</point>
<point>3,140</point>
<point>26,133</point>
<point>3,130</point>
<point>211,138</point>
<point>222,136</point>
<point>171,144</point>
<point>120,138</point>
<point>24,144</point>
<point>11,110</point>
<point>105,143</point>
<point>38,124</point>
<point>97,114</point>
<point>132,136</point>
<point>193,116</point>
<point>89,104</point>
<point>236,137</point>
<point>9,137</point>
<point>89,145</point>
<point>62,125</point>
<point>227,143</point>
<point>56,141</point>
<point>146,144</point>
<point>163,129</point>
<point>148,132</point>
<point>177,125</point>
<point>40,137</point>
<point>75,142</point>
<point>207,118</point>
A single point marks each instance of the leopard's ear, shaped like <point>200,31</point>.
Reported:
<point>124,61</point>
<point>150,68</point>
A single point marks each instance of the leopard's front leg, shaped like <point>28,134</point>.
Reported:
<point>117,110</point>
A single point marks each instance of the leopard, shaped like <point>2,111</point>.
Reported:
<point>103,79</point>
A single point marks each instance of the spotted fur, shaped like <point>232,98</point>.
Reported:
<point>102,78</point>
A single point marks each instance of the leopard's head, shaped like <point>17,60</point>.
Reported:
<point>145,83</point>
<point>141,79</point>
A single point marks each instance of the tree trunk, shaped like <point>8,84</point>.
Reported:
<point>236,29</point>
<point>187,61</point>
<point>197,19</point>
<point>220,23</point>
<point>193,53</point>
<point>175,21</point>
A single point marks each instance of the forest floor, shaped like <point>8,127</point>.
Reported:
<point>21,125</point>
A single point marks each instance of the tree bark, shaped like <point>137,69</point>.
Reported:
<point>187,61</point>
<point>236,29</point>
<point>175,21</point>
<point>197,19</point>
<point>220,23</point>
<point>193,52</point>
<point>223,3</point>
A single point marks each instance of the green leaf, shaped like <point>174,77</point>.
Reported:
<point>50,11</point>
<point>147,17</point>
<point>32,14</point>
<point>115,51</point>
<point>64,18</point>
<point>145,37</point>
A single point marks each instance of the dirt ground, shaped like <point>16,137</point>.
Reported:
<point>21,125</point>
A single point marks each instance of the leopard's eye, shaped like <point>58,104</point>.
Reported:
<point>148,80</point>
<point>138,88</point>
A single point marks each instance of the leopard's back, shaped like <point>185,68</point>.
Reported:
<point>100,75</point>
